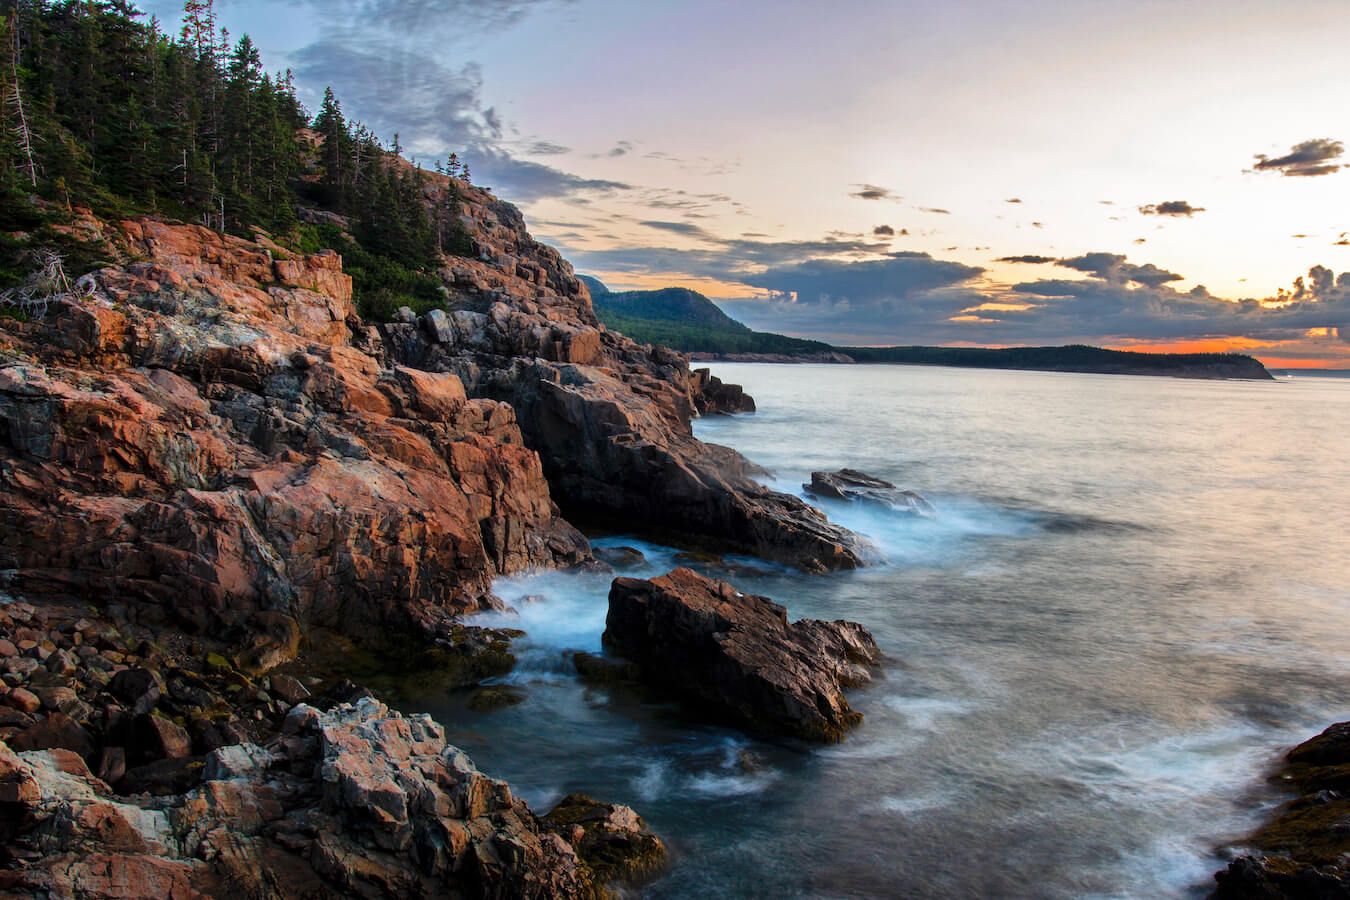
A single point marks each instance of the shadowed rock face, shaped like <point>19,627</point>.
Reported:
<point>205,435</point>
<point>736,655</point>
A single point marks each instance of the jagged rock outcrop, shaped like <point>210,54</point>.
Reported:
<point>852,485</point>
<point>713,396</point>
<point>1304,850</point>
<point>609,418</point>
<point>213,432</point>
<point>737,656</point>
<point>354,802</point>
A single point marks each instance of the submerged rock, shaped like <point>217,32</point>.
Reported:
<point>850,484</point>
<point>621,557</point>
<point>737,656</point>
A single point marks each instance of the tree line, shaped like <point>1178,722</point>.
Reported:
<point>101,108</point>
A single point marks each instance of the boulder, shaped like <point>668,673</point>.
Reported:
<point>57,731</point>
<point>611,839</point>
<point>621,557</point>
<point>737,655</point>
<point>712,396</point>
<point>138,689</point>
<point>850,484</point>
<point>1303,850</point>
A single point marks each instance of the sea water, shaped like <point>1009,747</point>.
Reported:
<point>1134,596</point>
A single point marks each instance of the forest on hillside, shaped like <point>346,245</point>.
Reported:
<point>100,108</point>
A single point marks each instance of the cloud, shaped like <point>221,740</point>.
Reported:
<point>884,231</point>
<point>437,20</point>
<point>1308,159</point>
<point>1171,208</point>
<point>873,192</point>
<point>387,61</point>
<point>1033,260</point>
<point>683,228</point>
<point>727,259</point>
<point>546,148</point>
<point>1113,268</point>
<point>934,209</point>
<point>902,276</point>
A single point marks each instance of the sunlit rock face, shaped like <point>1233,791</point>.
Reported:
<point>609,418</point>
<point>212,434</point>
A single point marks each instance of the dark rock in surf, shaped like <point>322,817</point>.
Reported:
<point>620,557</point>
<point>736,655</point>
<point>850,484</point>
<point>610,838</point>
<point>713,396</point>
<point>1304,850</point>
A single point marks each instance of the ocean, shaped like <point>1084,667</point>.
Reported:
<point>1135,595</point>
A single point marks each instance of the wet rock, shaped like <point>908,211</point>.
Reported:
<point>737,655</point>
<point>850,484</point>
<point>1303,851</point>
<point>497,696</point>
<point>1330,748</point>
<point>604,670</point>
<point>611,839</point>
<point>620,557</point>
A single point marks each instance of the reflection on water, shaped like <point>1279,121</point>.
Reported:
<point>1134,596</point>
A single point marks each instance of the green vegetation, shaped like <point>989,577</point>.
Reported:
<point>686,320</point>
<point>100,109</point>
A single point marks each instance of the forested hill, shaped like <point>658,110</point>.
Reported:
<point>672,304</point>
<point>101,109</point>
<point>681,319</point>
<point>1073,358</point>
<point>687,320</point>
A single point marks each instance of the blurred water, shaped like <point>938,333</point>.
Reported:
<point>1135,595</point>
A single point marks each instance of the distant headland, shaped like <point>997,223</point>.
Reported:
<point>687,321</point>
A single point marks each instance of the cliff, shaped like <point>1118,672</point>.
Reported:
<point>215,433</point>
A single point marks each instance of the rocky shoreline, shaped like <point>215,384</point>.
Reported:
<point>217,479</point>
<point>137,764</point>
<point>222,487</point>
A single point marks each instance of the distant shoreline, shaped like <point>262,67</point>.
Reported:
<point>1078,360</point>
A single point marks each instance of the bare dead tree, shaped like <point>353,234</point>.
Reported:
<point>48,284</point>
<point>14,99</point>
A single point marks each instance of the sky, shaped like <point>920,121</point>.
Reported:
<point>1144,175</point>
